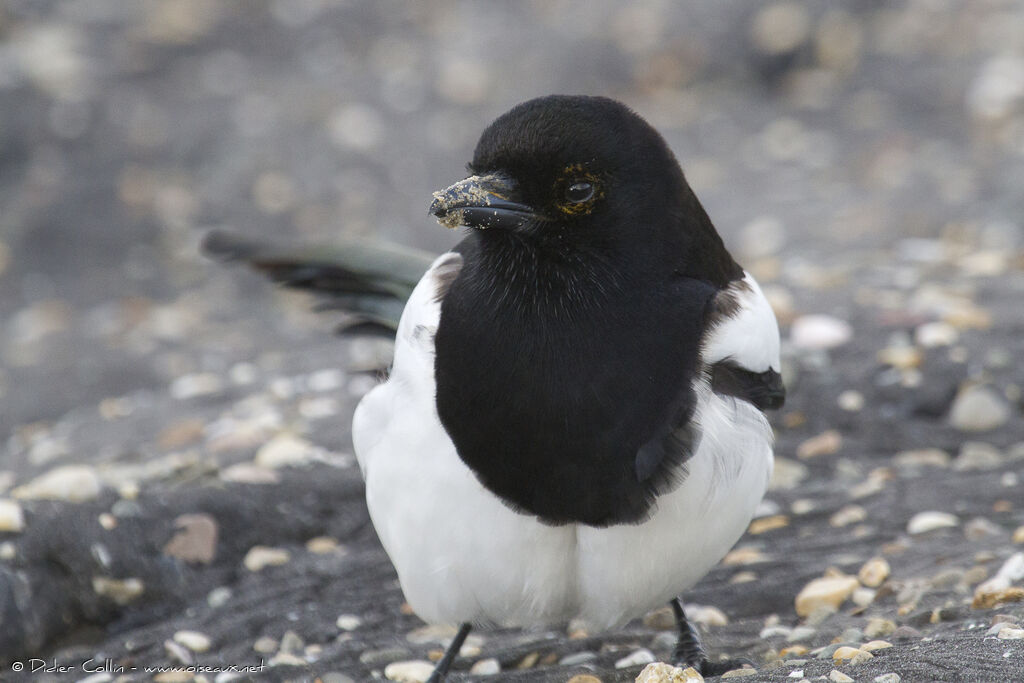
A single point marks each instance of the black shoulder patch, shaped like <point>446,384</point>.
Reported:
<point>764,389</point>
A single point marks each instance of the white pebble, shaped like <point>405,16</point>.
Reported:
<point>193,640</point>
<point>780,27</point>
<point>641,656</point>
<point>819,332</point>
<point>408,672</point>
<point>195,385</point>
<point>12,519</point>
<point>851,400</point>
<point>286,450</point>
<point>486,667</point>
<point>259,557</point>
<point>930,335</point>
<point>997,88</point>
<point>348,622</point>
<point>924,522</point>
<point>121,591</point>
<point>978,408</point>
<point>72,483</point>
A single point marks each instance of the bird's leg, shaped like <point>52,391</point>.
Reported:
<point>689,651</point>
<point>445,663</point>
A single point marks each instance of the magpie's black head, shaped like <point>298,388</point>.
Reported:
<point>586,174</point>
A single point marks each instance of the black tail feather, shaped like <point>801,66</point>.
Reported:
<point>369,280</point>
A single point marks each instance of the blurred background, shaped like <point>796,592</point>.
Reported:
<point>810,130</point>
<point>864,159</point>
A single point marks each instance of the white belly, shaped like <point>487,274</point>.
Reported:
<point>462,555</point>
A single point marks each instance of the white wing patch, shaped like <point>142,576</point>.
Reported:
<point>750,336</point>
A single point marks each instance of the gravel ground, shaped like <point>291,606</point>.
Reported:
<point>178,487</point>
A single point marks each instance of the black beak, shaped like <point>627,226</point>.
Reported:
<point>481,202</point>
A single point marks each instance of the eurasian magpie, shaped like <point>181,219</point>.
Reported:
<point>573,424</point>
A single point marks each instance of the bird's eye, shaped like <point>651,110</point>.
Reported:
<point>579,191</point>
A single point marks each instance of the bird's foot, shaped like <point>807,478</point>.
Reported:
<point>708,668</point>
<point>690,652</point>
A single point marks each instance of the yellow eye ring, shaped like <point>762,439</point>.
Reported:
<point>577,191</point>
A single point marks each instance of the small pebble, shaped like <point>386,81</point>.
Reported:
<point>801,633</point>
<point>72,483</point>
<point>287,659</point>
<point>980,528</point>
<point>766,524</point>
<point>382,656</point>
<point>584,678</point>
<point>877,626</point>
<point>577,658</point>
<point>848,514</point>
<point>851,655</point>
<point>780,27</point>
<point>291,643</point>
<point>874,572</point>
<point>248,473</point>
<point>641,656</point>
<point>486,667</point>
<point>933,334</point>
<point>787,474</point>
<point>924,522</point>
<point>862,597</point>
<point>891,677</point>
<point>976,455</point>
<point>741,556</point>
<point>930,457</point>
<point>265,645</point>
<point>996,628</point>
<point>331,677</point>
<point>195,540</point>
<point>739,673</point>
<point>431,633</point>
<point>259,557</point>
<point>838,676</point>
<point>1011,634</point>
<point>851,400</point>
<point>819,332</point>
<point>121,591</point>
<point>978,408</point>
<point>828,592</point>
<point>193,640</point>
<point>193,386</point>
<point>408,672</point>
<point>660,672</point>
<point>348,622</point>
<point>993,598</point>
<point>873,645</point>
<point>323,545</point>
<point>286,450</point>
<point>1018,534</point>
<point>12,519</point>
<point>826,443</point>
<point>218,597</point>
<point>706,615</point>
